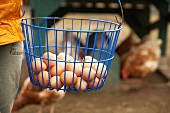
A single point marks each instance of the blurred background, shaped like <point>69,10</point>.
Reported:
<point>138,80</point>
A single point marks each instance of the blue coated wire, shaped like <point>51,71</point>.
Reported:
<point>65,62</point>
<point>46,35</point>
<point>26,49</point>
<point>71,39</point>
<point>40,50</point>
<point>56,52</point>
<point>80,38</point>
<point>119,2</point>
<point>105,52</point>
<point>28,44</point>
<point>34,51</point>
<point>94,46</point>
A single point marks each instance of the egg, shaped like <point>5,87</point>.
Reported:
<point>83,84</point>
<point>89,63</point>
<point>77,68</point>
<point>36,65</point>
<point>69,78</point>
<point>87,58</point>
<point>61,56</point>
<point>37,59</point>
<point>51,58</point>
<point>77,62</point>
<point>96,83</point>
<point>35,77</point>
<point>101,69</point>
<point>45,76</point>
<point>60,69</point>
<point>86,74</point>
<point>54,83</point>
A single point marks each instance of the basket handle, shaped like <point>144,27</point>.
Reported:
<point>122,14</point>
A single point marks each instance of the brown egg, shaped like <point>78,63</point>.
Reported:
<point>38,59</point>
<point>96,84</point>
<point>78,62</point>
<point>89,64</point>
<point>69,78</point>
<point>36,65</point>
<point>61,56</point>
<point>86,74</point>
<point>60,68</point>
<point>45,75</point>
<point>77,68</point>
<point>51,58</point>
<point>35,78</point>
<point>53,82</point>
<point>101,69</point>
<point>87,58</point>
<point>83,84</point>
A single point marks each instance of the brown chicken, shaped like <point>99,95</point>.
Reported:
<point>141,59</point>
<point>30,94</point>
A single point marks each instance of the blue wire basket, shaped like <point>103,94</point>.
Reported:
<point>74,55</point>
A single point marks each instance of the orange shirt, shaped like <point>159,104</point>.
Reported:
<point>10,19</point>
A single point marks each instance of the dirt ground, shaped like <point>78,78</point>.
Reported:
<point>151,98</point>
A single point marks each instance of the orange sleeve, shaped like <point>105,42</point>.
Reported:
<point>10,16</point>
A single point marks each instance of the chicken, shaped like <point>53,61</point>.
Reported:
<point>30,94</point>
<point>141,59</point>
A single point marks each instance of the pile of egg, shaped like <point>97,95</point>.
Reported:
<point>72,73</point>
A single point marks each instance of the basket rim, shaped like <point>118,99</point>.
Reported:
<point>108,59</point>
<point>68,30</point>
